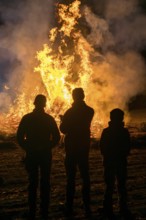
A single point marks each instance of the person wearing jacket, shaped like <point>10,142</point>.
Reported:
<point>115,147</point>
<point>37,134</point>
<point>76,127</point>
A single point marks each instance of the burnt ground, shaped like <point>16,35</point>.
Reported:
<point>13,184</point>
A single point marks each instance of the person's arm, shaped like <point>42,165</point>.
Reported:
<point>64,126</point>
<point>20,135</point>
<point>55,134</point>
<point>102,142</point>
<point>92,113</point>
<point>128,141</point>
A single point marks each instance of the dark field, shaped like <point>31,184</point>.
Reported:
<point>13,183</point>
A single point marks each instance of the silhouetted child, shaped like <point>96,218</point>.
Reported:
<point>115,147</point>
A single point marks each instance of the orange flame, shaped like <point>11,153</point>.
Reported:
<point>66,68</point>
<point>64,64</point>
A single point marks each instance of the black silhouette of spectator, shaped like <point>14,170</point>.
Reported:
<point>37,134</point>
<point>76,127</point>
<point>115,148</point>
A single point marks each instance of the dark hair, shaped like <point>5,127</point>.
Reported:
<point>40,100</point>
<point>117,115</point>
<point>78,94</point>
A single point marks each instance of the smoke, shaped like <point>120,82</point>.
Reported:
<point>24,29</point>
<point>118,36</point>
<point>128,24</point>
<point>116,31</point>
<point>122,25</point>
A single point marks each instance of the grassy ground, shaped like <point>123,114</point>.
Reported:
<point>13,184</point>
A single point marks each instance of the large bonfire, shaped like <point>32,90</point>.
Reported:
<point>64,63</point>
<point>69,60</point>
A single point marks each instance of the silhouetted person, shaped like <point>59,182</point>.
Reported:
<point>76,127</point>
<point>115,148</point>
<point>37,134</point>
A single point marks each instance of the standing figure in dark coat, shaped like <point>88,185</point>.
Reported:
<point>115,148</point>
<point>76,127</point>
<point>37,134</point>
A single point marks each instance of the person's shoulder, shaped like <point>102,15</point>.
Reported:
<point>126,130</point>
<point>107,129</point>
<point>105,132</point>
<point>90,108</point>
<point>69,110</point>
<point>28,115</point>
<point>49,117</point>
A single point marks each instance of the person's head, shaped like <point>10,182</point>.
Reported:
<point>78,94</point>
<point>117,115</point>
<point>40,101</point>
